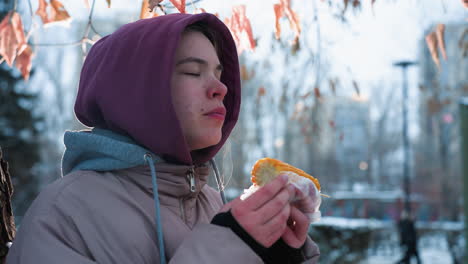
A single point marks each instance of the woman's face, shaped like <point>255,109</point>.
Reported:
<point>197,92</point>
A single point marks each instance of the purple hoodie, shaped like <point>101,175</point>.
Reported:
<point>125,85</point>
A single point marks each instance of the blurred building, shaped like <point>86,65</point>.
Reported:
<point>437,163</point>
<point>341,153</point>
<point>352,139</point>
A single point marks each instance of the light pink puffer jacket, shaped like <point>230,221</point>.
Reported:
<point>91,217</point>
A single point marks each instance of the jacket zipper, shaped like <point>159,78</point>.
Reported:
<point>191,178</point>
<point>193,188</point>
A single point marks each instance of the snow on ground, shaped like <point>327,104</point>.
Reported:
<point>433,247</point>
<point>353,222</point>
<point>428,256</point>
<point>432,250</point>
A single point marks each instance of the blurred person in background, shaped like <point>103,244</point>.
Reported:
<point>408,238</point>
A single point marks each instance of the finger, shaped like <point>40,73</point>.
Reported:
<point>301,221</point>
<point>274,229</point>
<point>265,234</point>
<point>296,235</point>
<point>273,207</point>
<point>289,237</point>
<point>306,205</point>
<point>266,193</point>
<point>279,221</point>
<point>273,237</point>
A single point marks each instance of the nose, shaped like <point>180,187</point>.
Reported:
<point>217,89</point>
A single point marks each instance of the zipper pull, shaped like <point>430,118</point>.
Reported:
<point>191,178</point>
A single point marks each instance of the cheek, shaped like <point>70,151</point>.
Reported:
<point>189,113</point>
<point>189,104</point>
<point>182,104</point>
<point>185,110</point>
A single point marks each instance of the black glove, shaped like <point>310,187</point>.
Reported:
<point>279,252</point>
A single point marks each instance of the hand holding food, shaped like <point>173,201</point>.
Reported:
<point>307,196</point>
<point>264,215</point>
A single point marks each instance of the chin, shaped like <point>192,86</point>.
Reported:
<point>213,140</point>
<point>207,140</point>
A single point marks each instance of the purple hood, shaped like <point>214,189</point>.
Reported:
<point>125,85</point>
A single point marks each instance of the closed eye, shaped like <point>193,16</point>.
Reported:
<point>192,74</point>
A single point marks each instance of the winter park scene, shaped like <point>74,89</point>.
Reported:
<point>273,131</point>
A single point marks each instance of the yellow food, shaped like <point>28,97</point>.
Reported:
<point>266,169</point>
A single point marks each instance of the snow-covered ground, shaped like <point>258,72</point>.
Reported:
<point>384,249</point>
<point>428,256</point>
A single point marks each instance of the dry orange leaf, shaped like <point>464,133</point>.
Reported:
<point>12,39</point>
<point>431,41</point>
<point>58,12</point>
<point>241,29</point>
<point>42,11</point>
<point>278,14</point>
<point>261,91</point>
<point>108,3</point>
<point>284,8</point>
<point>200,10</point>
<point>245,76</point>
<point>440,39</point>
<point>24,62</point>
<point>317,93</point>
<point>145,11</point>
<point>435,42</point>
<point>179,4</point>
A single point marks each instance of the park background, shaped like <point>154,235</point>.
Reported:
<point>324,94</point>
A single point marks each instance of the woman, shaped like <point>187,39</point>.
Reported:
<point>162,96</point>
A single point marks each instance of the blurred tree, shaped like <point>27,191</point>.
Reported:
<point>18,136</point>
<point>7,222</point>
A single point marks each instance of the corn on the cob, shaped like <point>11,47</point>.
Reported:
<point>266,169</point>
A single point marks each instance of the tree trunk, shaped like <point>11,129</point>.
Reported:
<point>7,222</point>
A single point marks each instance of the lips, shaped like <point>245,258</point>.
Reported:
<point>218,113</point>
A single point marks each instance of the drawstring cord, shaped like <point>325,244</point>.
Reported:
<point>162,258</point>
<point>149,159</point>
<point>218,180</point>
